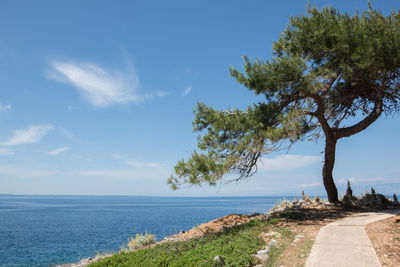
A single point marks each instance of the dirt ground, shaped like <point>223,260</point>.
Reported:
<point>385,237</point>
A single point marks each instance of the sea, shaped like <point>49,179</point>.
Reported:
<point>50,230</point>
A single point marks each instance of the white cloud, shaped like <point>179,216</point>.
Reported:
<point>102,88</point>
<point>116,155</point>
<point>161,93</point>
<point>59,150</point>
<point>29,135</point>
<point>187,90</point>
<point>21,172</point>
<point>139,171</point>
<point>287,162</point>
<point>138,165</point>
<point>69,135</point>
<point>4,107</point>
<point>310,185</point>
<point>361,180</point>
<point>6,152</point>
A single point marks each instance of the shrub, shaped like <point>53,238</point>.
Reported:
<point>140,241</point>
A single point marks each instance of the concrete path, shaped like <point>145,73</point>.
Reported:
<point>346,243</point>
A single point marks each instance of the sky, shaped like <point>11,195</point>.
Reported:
<point>97,98</point>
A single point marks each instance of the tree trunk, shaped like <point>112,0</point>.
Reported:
<point>329,184</point>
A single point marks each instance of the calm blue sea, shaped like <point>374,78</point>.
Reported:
<point>49,230</point>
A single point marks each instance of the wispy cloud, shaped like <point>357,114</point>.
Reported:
<point>161,93</point>
<point>361,180</point>
<point>310,185</point>
<point>4,107</point>
<point>287,162</point>
<point>101,87</point>
<point>6,152</point>
<point>21,172</point>
<point>116,155</point>
<point>29,135</point>
<point>138,171</point>
<point>69,135</point>
<point>59,150</point>
<point>139,165</point>
<point>187,90</point>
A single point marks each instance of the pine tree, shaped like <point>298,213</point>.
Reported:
<point>326,67</point>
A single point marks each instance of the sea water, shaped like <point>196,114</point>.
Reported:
<point>49,230</point>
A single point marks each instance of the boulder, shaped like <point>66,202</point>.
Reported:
<point>218,261</point>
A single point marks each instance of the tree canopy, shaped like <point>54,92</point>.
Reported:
<point>326,68</point>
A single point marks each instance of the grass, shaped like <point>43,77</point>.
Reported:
<point>235,245</point>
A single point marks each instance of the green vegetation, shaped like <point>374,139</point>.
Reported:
<point>235,245</point>
<point>327,69</point>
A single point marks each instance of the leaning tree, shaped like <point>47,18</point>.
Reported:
<point>327,67</point>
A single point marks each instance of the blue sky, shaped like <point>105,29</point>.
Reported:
<point>97,97</point>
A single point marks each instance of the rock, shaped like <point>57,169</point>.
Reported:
<point>397,219</point>
<point>273,234</point>
<point>272,243</point>
<point>254,214</point>
<point>299,203</point>
<point>317,199</point>
<point>218,261</point>
<point>262,255</point>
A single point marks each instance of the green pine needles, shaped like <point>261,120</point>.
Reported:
<point>326,67</point>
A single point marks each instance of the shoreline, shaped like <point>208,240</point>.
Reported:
<point>306,204</point>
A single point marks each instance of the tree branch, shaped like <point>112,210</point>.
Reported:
<point>320,113</point>
<point>363,124</point>
<point>329,85</point>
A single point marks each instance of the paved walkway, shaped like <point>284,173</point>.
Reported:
<point>345,242</point>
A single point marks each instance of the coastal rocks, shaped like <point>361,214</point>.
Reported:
<point>281,207</point>
<point>218,225</point>
<point>81,263</point>
<point>85,262</point>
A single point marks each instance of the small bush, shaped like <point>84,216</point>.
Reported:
<point>140,241</point>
